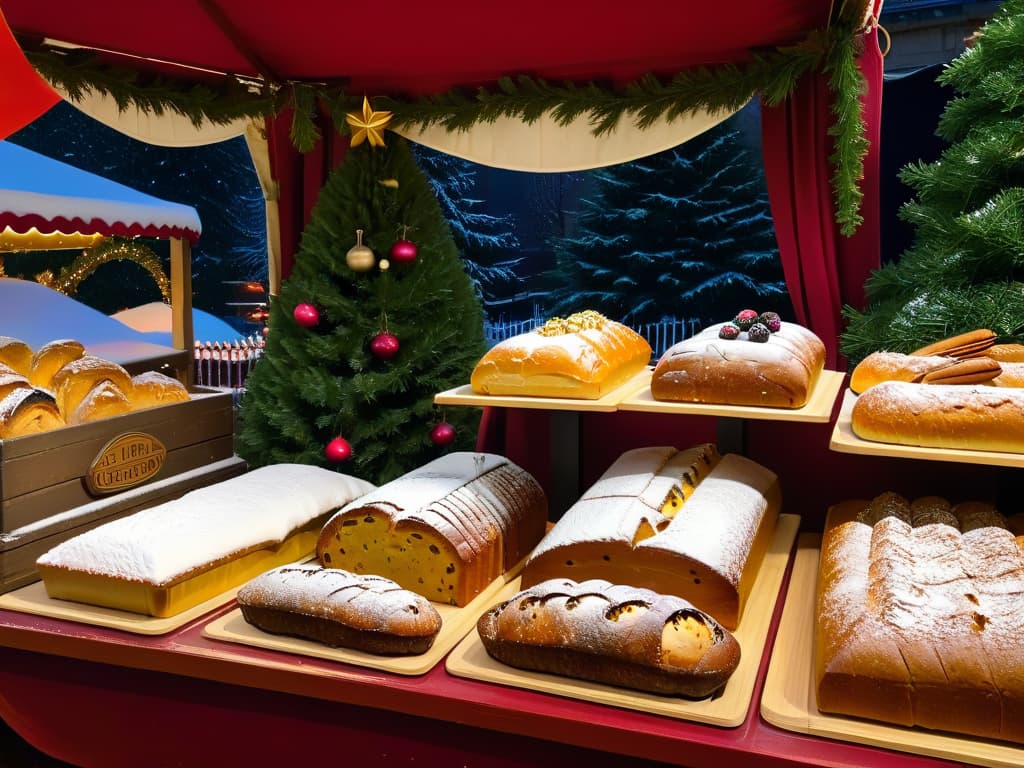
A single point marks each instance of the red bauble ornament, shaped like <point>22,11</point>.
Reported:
<point>265,331</point>
<point>442,434</point>
<point>404,252</point>
<point>338,450</point>
<point>306,315</point>
<point>384,345</point>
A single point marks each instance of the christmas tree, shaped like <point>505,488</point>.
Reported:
<point>382,339</point>
<point>684,233</point>
<point>965,267</point>
<point>483,240</point>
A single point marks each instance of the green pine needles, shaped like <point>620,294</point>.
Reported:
<point>773,74</point>
<point>313,385</point>
<point>965,269</point>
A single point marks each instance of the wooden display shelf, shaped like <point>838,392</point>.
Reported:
<point>818,408</point>
<point>465,395</point>
<point>845,441</point>
<point>789,701</point>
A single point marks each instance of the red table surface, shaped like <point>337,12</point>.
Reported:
<point>101,697</point>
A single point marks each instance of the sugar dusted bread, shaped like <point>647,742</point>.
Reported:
<point>779,372</point>
<point>682,523</point>
<point>920,622</point>
<point>168,558</point>
<point>11,381</point>
<point>583,356</point>
<point>26,411</point>
<point>153,388</point>
<point>16,355</point>
<point>983,418</point>
<point>445,530</point>
<point>50,358</point>
<point>921,369</point>
<point>614,634</point>
<point>340,609</point>
<point>73,382</point>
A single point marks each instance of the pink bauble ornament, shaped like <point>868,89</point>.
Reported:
<point>442,434</point>
<point>404,252</point>
<point>265,331</point>
<point>306,315</point>
<point>338,450</point>
<point>384,345</point>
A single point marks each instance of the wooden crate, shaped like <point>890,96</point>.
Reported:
<point>44,474</point>
<point>20,548</point>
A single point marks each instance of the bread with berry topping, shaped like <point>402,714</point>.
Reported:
<point>614,634</point>
<point>725,364</point>
<point>584,356</point>
<point>340,609</point>
<point>684,523</point>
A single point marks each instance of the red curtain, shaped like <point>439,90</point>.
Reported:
<point>824,269</point>
<point>24,95</point>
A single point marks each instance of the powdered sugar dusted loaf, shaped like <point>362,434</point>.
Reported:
<point>682,523</point>
<point>445,530</point>
<point>204,529</point>
<point>778,372</point>
<point>922,624</point>
<point>338,608</point>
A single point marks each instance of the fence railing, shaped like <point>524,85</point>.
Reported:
<point>660,335</point>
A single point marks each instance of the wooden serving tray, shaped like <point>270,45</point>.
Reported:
<point>789,700</point>
<point>845,441</point>
<point>728,708</point>
<point>465,395</point>
<point>33,599</point>
<point>455,623</point>
<point>817,409</point>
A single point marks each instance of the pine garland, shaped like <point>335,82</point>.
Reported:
<point>773,73</point>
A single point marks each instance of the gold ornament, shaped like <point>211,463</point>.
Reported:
<point>370,125</point>
<point>360,258</point>
<point>384,265</point>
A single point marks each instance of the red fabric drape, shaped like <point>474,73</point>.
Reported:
<point>24,95</point>
<point>824,270</point>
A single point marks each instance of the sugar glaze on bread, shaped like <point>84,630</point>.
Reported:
<point>340,609</point>
<point>615,634</point>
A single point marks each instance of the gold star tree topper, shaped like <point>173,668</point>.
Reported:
<point>370,125</point>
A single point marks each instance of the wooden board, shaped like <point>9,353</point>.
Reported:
<point>728,708</point>
<point>465,395</point>
<point>789,701</point>
<point>845,441</point>
<point>817,409</point>
<point>33,599</point>
<point>455,623</point>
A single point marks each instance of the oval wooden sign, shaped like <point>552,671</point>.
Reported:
<point>125,462</point>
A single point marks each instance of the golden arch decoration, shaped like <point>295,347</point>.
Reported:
<point>114,249</point>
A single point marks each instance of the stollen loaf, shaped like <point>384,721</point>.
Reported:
<point>171,557</point>
<point>26,411</point>
<point>614,634</point>
<point>584,356</point>
<point>980,418</point>
<point>340,609</point>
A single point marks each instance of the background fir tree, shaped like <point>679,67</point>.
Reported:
<point>315,384</point>
<point>684,233</point>
<point>487,243</point>
<point>965,268</point>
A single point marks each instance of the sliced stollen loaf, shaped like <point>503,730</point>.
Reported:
<point>679,523</point>
<point>173,556</point>
<point>614,634</point>
<point>445,530</point>
<point>340,609</point>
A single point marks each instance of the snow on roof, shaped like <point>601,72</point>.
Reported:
<point>37,191</point>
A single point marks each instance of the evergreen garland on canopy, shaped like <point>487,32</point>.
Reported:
<point>773,73</point>
<point>965,269</point>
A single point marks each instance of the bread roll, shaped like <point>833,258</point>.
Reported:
<point>1006,353</point>
<point>10,381</point>
<point>941,416</point>
<point>778,373</point>
<point>26,411</point>
<point>76,379</point>
<point>614,634</point>
<point>166,559</point>
<point>340,609</point>
<point>16,355</point>
<point>1011,375</point>
<point>50,358</point>
<point>934,369</point>
<point>969,344</point>
<point>153,388</point>
<point>584,356</point>
<point>104,400</point>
